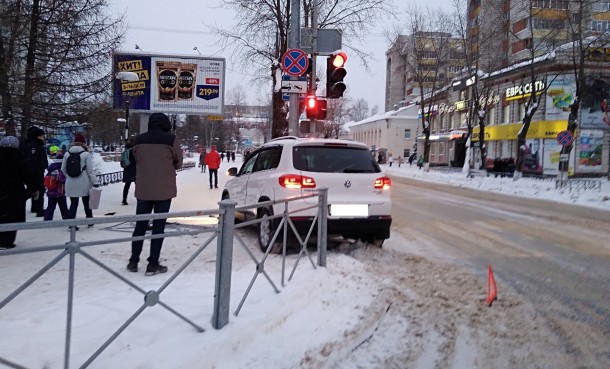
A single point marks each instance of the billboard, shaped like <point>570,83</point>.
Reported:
<point>170,84</point>
<point>595,109</point>
<point>559,96</point>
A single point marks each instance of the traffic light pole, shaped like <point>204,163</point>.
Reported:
<point>294,42</point>
<point>314,54</point>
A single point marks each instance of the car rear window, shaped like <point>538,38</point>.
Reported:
<point>333,159</point>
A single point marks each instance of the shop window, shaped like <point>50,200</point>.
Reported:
<point>506,114</point>
<point>491,117</point>
<point>521,111</point>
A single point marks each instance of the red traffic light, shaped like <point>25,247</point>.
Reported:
<point>311,102</point>
<point>335,74</point>
<point>314,108</point>
<point>338,59</point>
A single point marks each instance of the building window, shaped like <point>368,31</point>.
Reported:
<point>601,6</point>
<point>506,114</point>
<point>406,153</point>
<point>491,115</point>
<point>521,111</point>
<point>407,133</point>
<point>600,25</point>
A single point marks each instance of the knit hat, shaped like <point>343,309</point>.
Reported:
<point>9,141</point>
<point>159,121</point>
<point>34,132</point>
<point>80,138</point>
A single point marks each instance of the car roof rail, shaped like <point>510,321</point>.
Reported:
<point>284,138</point>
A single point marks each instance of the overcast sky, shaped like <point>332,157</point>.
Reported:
<point>159,26</point>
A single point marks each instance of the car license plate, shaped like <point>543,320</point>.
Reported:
<point>349,210</point>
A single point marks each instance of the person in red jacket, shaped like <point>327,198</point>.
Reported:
<point>212,160</point>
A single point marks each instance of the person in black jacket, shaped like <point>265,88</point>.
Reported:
<point>13,193</point>
<point>129,172</point>
<point>36,162</point>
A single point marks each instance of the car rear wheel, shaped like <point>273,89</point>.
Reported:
<point>266,230</point>
<point>374,241</point>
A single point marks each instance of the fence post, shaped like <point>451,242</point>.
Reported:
<point>224,262</point>
<point>322,219</point>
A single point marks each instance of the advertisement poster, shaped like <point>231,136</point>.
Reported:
<point>595,108</point>
<point>170,84</point>
<point>532,157</point>
<point>589,143</point>
<point>559,97</point>
<point>551,156</point>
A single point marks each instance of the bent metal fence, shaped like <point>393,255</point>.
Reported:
<point>224,234</point>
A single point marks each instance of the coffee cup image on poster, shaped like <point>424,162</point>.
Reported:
<point>175,80</point>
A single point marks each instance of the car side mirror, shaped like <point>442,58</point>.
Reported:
<point>232,171</point>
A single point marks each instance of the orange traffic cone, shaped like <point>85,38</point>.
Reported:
<point>492,290</point>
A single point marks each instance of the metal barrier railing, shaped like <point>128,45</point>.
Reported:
<point>578,184</point>
<point>116,177</point>
<point>223,232</point>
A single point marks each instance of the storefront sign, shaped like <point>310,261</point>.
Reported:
<point>525,90</point>
<point>539,129</point>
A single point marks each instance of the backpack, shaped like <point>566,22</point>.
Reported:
<point>51,180</point>
<point>73,168</point>
<point>125,158</point>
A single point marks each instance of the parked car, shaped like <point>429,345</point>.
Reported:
<point>358,192</point>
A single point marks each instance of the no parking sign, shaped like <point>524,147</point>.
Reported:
<point>565,138</point>
<point>295,62</point>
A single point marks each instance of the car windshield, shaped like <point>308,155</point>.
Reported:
<point>333,159</point>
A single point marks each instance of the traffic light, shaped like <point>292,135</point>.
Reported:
<point>315,108</point>
<point>335,73</point>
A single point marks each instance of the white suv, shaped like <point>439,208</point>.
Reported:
<point>358,192</point>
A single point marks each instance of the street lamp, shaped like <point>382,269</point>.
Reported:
<point>127,77</point>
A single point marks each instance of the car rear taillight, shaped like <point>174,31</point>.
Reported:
<point>296,181</point>
<point>383,183</point>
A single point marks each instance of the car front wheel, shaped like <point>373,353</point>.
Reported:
<point>266,229</point>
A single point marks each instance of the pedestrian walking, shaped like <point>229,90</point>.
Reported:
<point>202,160</point>
<point>55,182</point>
<point>36,162</point>
<point>411,158</point>
<point>213,160</point>
<point>420,161</point>
<point>129,168</point>
<point>157,155</point>
<point>390,159</point>
<point>80,176</point>
<point>15,188</point>
<point>233,156</point>
<point>399,161</point>
<point>228,156</point>
<point>222,156</point>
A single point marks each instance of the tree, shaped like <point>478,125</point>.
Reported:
<point>358,110</point>
<point>53,56</point>
<point>335,117</point>
<point>566,27</point>
<point>480,28</point>
<point>426,52</point>
<point>260,35</point>
<point>586,43</point>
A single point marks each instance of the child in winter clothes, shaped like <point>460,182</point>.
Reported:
<point>56,195</point>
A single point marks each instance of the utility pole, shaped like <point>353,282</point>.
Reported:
<point>314,54</point>
<point>294,42</point>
